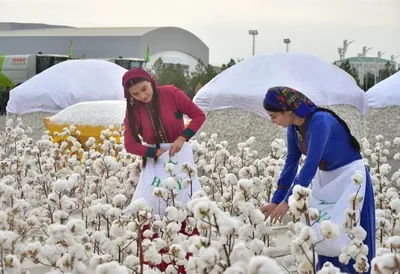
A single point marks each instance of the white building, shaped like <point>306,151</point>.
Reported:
<point>172,44</point>
<point>366,65</point>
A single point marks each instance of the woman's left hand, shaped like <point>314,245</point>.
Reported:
<point>279,211</point>
<point>176,146</point>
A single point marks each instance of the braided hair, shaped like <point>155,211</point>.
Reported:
<point>155,115</point>
<point>353,141</point>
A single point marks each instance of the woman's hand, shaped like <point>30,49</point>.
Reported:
<point>159,152</point>
<point>267,209</point>
<point>279,212</point>
<point>176,146</point>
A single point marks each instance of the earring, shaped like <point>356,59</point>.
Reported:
<point>131,101</point>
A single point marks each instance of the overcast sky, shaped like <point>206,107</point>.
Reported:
<point>314,26</point>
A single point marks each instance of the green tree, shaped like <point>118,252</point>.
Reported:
<point>228,65</point>
<point>170,74</point>
<point>158,68</point>
<point>175,75</point>
<point>202,74</point>
<point>369,81</point>
<point>388,71</point>
<point>347,67</point>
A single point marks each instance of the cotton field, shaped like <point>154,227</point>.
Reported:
<point>63,209</point>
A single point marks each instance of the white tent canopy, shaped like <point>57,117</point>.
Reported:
<point>243,86</point>
<point>66,84</point>
<point>385,93</point>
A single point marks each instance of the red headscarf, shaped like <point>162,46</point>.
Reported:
<point>136,73</point>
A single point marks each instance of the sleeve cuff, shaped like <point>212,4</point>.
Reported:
<point>151,152</point>
<point>278,196</point>
<point>188,133</point>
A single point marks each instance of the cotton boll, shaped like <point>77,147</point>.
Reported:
<point>117,230</point>
<point>60,185</point>
<point>358,178</point>
<point>76,226</point>
<point>361,264</point>
<point>256,246</point>
<point>395,206</point>
<point>355,200</point>
<point>12,264</point>
<point>329,268</point>
<point>208,256</point>
<point>394,242</point>
<point>329,230</point>
<point>177,251</point>
<point>387,263</point>
<point>237,268</point>
<point>307,235</point>
<point>131,261</point>
<point>263,265</point>
<point>385,169</point>
<point>169,167</point>
<point>365,144</point>
<point>257,216</point>
<point>344,258</point>
<point>65,263</point>
<point>170,183</point>
<point>313,213</point>
<point>119,200</point>
<point>359,233</point>
<point>111,268</point>
<point>245,185</point>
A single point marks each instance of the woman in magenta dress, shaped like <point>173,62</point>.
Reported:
<point>331,151</point>
<point>155,113</point>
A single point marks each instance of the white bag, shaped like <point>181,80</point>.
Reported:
<point>154,174</point>
<point>330,195</point>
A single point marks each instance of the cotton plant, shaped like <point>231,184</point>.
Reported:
<point>210,249</point>
<point>302,233</point>
<point>387,259</point>
<point>43,185</point>
<point>379,169</point>
<point>356,250</point>
<point>63,251</point>
<point>387,190</point>
<point>222,171</point>
<point>62,207</point>
<point>168,189</point>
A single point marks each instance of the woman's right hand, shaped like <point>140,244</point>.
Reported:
<point>267,209</point>
<point>160,152</point>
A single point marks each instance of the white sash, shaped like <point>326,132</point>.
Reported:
<point>330,195</point>
<point>153,175</point>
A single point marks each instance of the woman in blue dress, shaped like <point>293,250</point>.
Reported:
<point>330,150</point>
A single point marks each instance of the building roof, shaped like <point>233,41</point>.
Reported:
<point>71,31</point>
<point>24,26</point>
<point>367,60</point>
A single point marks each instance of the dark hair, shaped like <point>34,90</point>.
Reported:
<point>271,108</point>
<point>155,115</point>
<point>353,141</point>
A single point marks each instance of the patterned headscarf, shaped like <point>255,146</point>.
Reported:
<point>289,99</point>
<point>136,73</point>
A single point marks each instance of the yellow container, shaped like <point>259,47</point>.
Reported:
<point>86,131</point>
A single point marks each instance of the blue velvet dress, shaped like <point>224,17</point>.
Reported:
<point>327,146</point>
